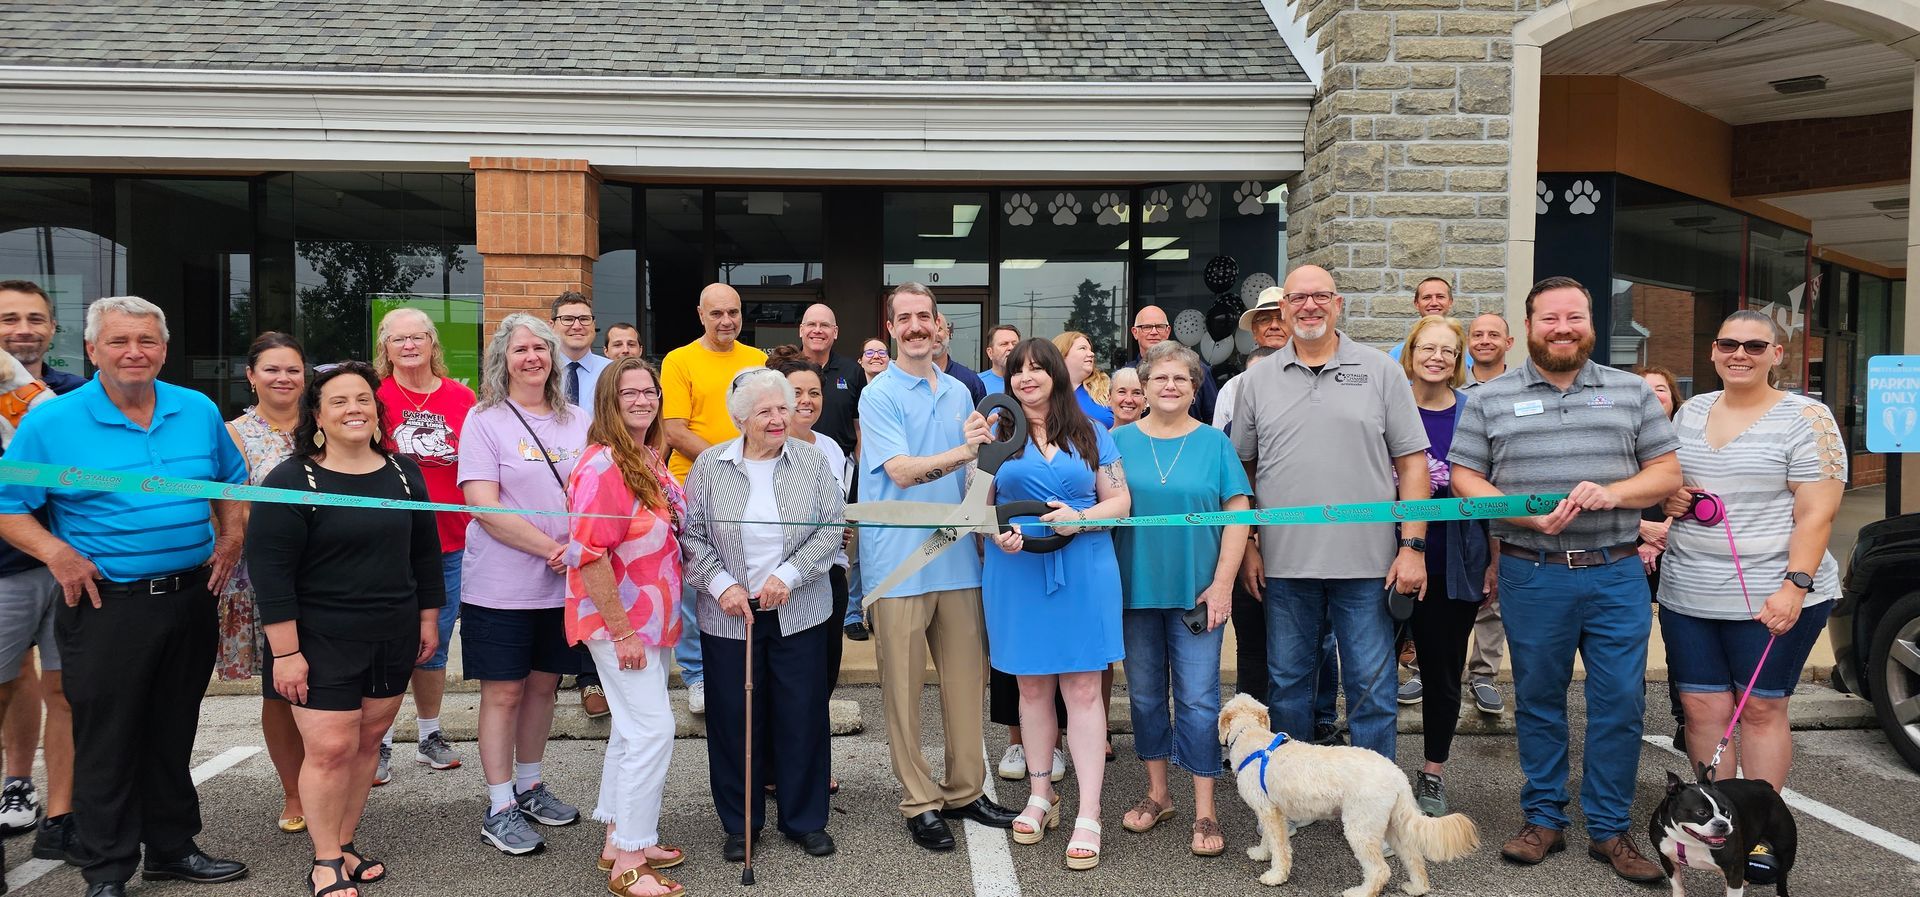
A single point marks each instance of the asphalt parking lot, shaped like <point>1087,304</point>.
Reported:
<point>1858,808</point>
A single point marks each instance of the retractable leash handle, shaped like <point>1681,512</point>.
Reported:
<point>1709,509</point>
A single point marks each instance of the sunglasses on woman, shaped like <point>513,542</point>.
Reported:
<point>1753,346</point>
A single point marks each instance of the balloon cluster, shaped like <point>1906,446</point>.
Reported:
<point>1215,333</point>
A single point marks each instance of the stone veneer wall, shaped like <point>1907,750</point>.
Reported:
<point>1407,153</point>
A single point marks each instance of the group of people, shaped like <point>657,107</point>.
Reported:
<point>629,520</point>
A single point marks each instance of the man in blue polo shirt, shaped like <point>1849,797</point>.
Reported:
<point>919,434</point>
<point>137,632</point>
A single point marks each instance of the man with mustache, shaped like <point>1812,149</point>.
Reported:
<point>1572,580</point>
<point>919,435</point>
<point>943,335</point>
<point>693,403</point>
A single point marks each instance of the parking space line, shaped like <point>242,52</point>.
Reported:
<point>987,851</point>
<point>31,870</point>
<point>1840,819</point>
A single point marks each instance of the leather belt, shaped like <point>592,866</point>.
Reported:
<point>1587,557</point>
<point>159,585</point>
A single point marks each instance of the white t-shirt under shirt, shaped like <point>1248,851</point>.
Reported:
<point>836,462</point>
<point>495,447</point>
<point>765,542</point>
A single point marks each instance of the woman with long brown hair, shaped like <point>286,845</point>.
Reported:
<point>627,614</point>
<point>1054,619</point>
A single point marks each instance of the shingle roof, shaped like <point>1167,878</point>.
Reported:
<point>970,40</point>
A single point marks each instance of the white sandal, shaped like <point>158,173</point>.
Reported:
<point>1049,819</point>
<point>1081,864</point>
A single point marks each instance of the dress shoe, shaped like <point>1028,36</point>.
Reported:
<point>1626,860</point>
<point>1532,844</point>
<point>195,867</point>
<point>983,811</point>
<point>107,889</point>
<point>930,831</point>
<point>735,849</point>
<point>819,844</point>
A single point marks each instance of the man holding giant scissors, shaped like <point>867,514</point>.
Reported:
<point>919,437</point>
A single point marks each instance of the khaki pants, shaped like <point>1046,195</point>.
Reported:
<point>1489,644</point>
<point>948,627</point>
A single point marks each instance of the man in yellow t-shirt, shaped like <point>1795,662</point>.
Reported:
<point>694,380</point>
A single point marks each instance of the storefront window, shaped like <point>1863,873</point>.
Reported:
<point>1184,228</point>
<point>1063,265</point>
<point>1676,274</point>
<point>1874,320</point>
<point>675,265</point>
<point>201,276</point>
<point>1777,285</point>
<point>939,239</point>
<point>616,288</point>
<point>53,233</point>
<point>771,246</point>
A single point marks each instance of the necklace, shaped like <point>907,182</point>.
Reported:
<point>425,397</point>
<point>1168,470</point>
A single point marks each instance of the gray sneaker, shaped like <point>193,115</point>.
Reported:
<point>508,830</point>
<point>383,773</point>
<point>436,752</point>
<point>1411,691</point>
<point>1430,792</point>
<point>541,806</point>
<point>1487,698</point>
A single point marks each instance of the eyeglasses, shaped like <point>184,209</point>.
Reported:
<point>1320,297</point>
<point>1159,381</point>
<point>1753,346</point>
<point>817,325</point>
<point>1153,328</point>
<point>635,395</point>
<point>1447,352</point>
<point>874,353</point>
<point>409,339</point>
<point>570,320</point>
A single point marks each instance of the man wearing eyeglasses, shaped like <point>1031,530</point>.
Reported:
<point>840,378</point>
<point>1326,421</point>
<point>1150,328</point>
<point>579,367</point>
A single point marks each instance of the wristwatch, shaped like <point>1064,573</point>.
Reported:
<point>1419,545</point>
<point>1804,581</point>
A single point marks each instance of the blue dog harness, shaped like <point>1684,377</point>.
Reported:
<point>1279,738</point>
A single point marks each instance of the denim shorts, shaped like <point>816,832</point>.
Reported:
<point>505,645</point>
<point>1715,656</point>
<point>449,612</point>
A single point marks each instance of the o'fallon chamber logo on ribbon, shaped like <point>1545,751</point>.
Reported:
<point>87,479</point>
<point>1537,504</point>
<point>163,486</point>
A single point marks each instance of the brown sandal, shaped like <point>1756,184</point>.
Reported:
<point>679,856</point>
<point>1208,827</point>
<point>630,879</point>
<point>1147,805</point>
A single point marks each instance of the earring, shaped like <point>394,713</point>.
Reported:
<point>319,439</point>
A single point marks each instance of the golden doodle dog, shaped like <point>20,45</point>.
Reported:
<point>1283,779</point>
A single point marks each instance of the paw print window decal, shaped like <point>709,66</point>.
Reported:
<point>1065,209</point>
<point>1583,198</point>
<point>1109,208</point>
<point>1196,201</point>
<point>1020,209</point>
<point>1248,198</point>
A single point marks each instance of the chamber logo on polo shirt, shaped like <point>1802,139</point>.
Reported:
<point>1600,401</point>
<point>1353,379</point>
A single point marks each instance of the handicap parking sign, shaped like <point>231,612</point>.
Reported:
<point>1893,403</point>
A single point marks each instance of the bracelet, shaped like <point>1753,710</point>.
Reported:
<point>627,636</point>
<point>288,654</point>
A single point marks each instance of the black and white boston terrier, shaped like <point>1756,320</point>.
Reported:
<point>1717,825</point>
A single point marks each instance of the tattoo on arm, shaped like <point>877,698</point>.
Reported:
<point>1116,477</point>
<point>935,473</point>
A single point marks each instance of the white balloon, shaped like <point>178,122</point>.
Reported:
<point>1216,351</point>
<point>1243,340</point>
<point>1251,287</point>
<point>1190,327</point>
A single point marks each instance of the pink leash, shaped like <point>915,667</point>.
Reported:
<point>1709,509</point>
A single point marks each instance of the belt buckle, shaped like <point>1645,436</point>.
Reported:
<point>1581,555</point>
<point>163,586</point>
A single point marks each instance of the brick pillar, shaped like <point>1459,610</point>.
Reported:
<point>538,223</point>
<point>1407,149</point>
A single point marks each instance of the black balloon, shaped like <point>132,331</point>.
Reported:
<point>1232,301</point>
<point>1222,320</point>
<point>1221,273</point>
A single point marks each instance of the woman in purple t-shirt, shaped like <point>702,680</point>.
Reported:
<point>518,448</point>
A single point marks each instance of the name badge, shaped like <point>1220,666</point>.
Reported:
<point>840,383</point>
<point>1528,408</point>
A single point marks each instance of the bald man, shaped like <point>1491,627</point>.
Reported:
<point>840,379</point>
<point>1150,328</point>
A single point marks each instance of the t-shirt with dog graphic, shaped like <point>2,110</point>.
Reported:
<point>426,427</point>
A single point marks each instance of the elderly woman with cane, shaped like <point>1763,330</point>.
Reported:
<point>770,576</point>
<point>623,596</point>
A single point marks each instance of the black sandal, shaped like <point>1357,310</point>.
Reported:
<point>359,871</point>
<point>341,881</point>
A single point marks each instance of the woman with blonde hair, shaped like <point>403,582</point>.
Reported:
<point>1090,385</point>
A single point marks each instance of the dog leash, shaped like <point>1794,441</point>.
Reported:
<point>1709,509</point>
<point>1263,754</point>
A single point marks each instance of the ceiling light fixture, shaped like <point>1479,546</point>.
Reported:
<point>1803,84</point>
<point>1021,264</point>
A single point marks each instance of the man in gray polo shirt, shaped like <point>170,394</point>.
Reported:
<point>1327,420</point>
<point>1571,580</point>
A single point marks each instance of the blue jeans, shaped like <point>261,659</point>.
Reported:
<point>855,613</point>
<point>1326,689</point>
<point>1161,654</point>
<point>449,612</point>
<point>688,652</point>
<point>1552,611</point>
<point>1299,614</point>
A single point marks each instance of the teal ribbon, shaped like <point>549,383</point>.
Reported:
<point>55,476</point>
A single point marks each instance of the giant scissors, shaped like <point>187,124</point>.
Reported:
<point>974,514</point>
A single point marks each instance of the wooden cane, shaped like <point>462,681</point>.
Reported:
<point>746,808</point>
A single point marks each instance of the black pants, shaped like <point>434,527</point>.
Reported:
<point>790,738</point>
<point>1441,628</point>
<point>1250,644</point>
<point>837,578</point>
<point>135,669</point>
<point>1003,701</point>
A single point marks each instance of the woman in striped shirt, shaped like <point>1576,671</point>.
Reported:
<point>1777,461</point>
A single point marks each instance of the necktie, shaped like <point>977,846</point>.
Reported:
<point>573,382</point>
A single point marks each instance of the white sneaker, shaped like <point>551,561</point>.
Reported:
<point>697,698</point>
<point>1013,763</point>
<point>19,810</point>
<point>1059,765</point>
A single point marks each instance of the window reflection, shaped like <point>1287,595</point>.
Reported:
<point>1676,271</point>
<point>1063,265</point>
<point>1777,285</point>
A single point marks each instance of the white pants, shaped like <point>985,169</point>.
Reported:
<point>635,775</point>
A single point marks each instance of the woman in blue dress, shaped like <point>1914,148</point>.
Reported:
<point>1053,619</point>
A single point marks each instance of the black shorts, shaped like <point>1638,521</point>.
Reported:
<point>343,672</point>
<point>505,645</point>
